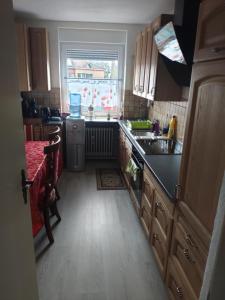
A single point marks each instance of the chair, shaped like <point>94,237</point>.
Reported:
<point>52,135</point>
<point>50,197</point>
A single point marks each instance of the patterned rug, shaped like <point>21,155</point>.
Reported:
<point>110,179</point>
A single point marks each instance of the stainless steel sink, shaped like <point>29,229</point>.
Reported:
<point>147,135</point>
<point>164,147</point>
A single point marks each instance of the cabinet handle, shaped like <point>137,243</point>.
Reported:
<point>190,242</point>
<point>146,184</point>
<point>155,237</point>
<point>178,191</point>
<point>217,49</point>
<point>159,206</point>
<point>188,257</point>
<point>179,292</point>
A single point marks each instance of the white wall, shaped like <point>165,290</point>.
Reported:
<point>53,27</point>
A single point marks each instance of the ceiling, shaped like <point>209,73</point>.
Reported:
<point>107,11</point>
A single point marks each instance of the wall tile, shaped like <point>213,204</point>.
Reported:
<point>163,111</point>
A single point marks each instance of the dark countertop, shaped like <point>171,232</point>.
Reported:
<point>165,168</point>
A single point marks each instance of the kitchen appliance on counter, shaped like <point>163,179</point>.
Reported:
<point>50,115</point>
<point>75,144</point>
<point>29,107</point>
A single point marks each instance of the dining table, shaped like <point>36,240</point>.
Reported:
<point>36,162</point>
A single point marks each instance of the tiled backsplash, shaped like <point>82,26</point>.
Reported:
<point>163,111</point>
<point>134,106</point>
<point>50,99</point>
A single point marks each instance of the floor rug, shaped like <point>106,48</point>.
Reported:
<point>110,179</point>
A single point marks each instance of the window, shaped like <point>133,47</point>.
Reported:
<point>96,74</point>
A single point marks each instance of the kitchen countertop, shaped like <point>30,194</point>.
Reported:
<point>165,168</point>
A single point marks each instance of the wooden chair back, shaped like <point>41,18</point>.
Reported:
<point>52,152</point>
<point>52,135</point>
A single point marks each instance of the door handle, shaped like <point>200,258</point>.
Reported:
<point>25,185</point>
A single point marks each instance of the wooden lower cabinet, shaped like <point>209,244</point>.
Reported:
<point>177,283</point>
<point>163,213</point>
<point>159,246</point>
<point>145,215</point>
<point>189,252</point>
<point>147,201</point>
<point>156,216</point>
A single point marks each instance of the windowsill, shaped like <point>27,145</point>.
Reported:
<point>100,119</point>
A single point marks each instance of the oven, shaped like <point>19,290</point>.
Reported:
<point>136,181</point>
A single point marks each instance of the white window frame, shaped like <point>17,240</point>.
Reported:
<point>64,46</point>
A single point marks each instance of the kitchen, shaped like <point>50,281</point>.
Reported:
<point>164,243</point>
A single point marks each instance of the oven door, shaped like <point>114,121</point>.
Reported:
<point>136,181</point>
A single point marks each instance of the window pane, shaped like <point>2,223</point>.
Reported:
<point>97,83</point>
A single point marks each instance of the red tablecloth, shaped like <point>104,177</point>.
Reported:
<point>36,172</point>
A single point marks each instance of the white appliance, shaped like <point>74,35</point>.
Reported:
<point>75,144</point>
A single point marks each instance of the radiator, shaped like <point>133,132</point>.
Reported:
<point>98,142</point>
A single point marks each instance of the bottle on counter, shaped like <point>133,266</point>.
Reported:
<point>91,112</point>
<point>172,128</point>
<point>156,127</point>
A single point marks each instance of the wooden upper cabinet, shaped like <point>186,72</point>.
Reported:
<point>23,57</point>
<point>162,86</point>
<point>143,61</point>
<point>210,41</point>
<point>148,34</point>
<point>39,59</point>
<point>203,160</point>
<point>137,64</point>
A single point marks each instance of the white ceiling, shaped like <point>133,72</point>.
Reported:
<point>107,11</point>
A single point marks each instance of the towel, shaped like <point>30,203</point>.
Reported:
<point>132,169</point>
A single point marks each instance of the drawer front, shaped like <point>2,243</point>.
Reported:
<point>162,215</point>
<point>146,219</point>
<point>189,254</point>
<point>177,284</point>
<point>181,252</point>
<point>148,190</point>
<point>159,246</point>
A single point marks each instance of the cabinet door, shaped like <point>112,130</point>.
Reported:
<point>147,60</point>
<point>159,246</point>
<point>23,58</point>
<point>39,59</point>
<point>162,215</point>
<point>178,284</point>
<point>145,215</point>
<point>154,61</point>
<point>210,41</point>
<point>203,160</point>
<point>143,61</point>
<point>137,67</point>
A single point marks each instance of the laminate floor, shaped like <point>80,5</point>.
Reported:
<point>100,250</point>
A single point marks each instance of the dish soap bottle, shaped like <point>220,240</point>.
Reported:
<point>172,128</point>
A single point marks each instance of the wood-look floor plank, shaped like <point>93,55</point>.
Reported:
<point>100,250</point>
